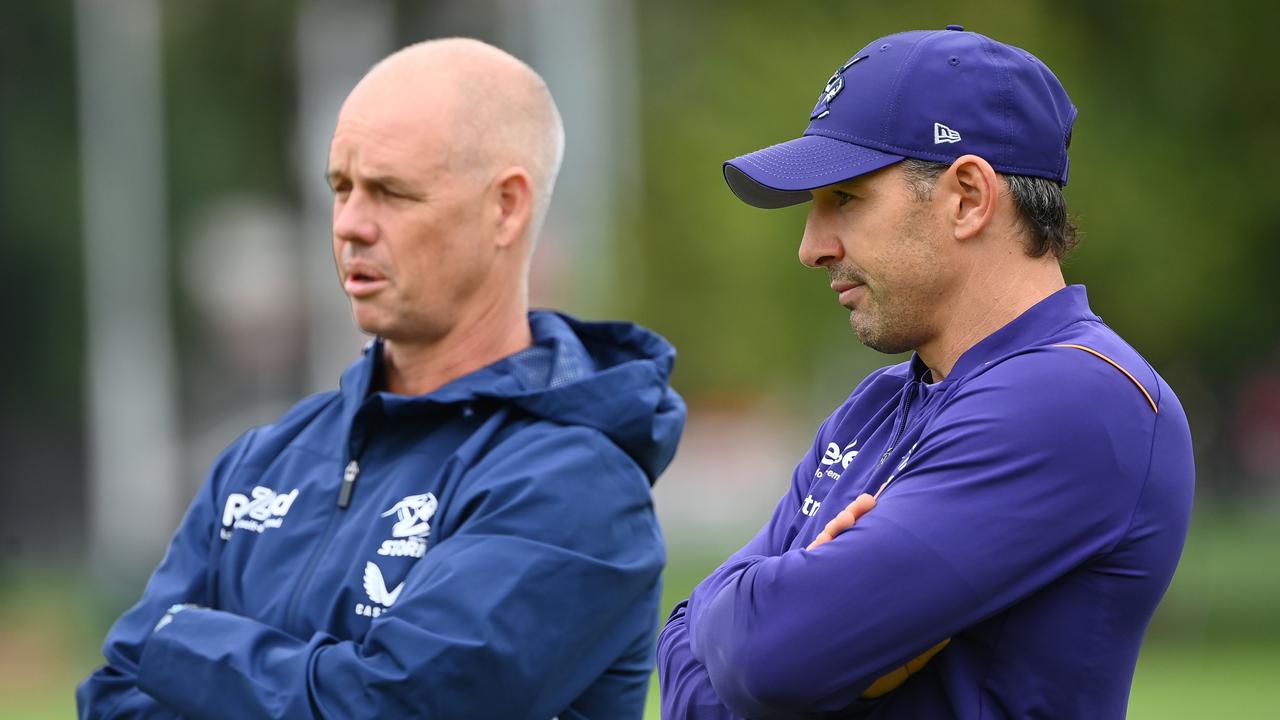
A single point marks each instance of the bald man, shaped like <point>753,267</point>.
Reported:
<point>464,529</point>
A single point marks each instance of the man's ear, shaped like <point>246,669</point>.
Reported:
<point>512,194</point>
<point>971,190</point>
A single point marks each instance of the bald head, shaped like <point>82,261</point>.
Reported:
<point>493,110</point>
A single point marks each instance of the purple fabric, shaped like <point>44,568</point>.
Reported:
<point>932,95</point>
<point>1036,514</point>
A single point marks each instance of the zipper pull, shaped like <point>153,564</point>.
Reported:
<point>348,483</point>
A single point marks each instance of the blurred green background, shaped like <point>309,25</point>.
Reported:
<point>1170,181</point>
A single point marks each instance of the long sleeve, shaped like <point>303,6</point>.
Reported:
<point>184,576</point>
<point>995,503</point>
<point>550,574</point>
<point>686,687</point>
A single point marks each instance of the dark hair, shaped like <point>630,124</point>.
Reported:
<point>1041,206</point>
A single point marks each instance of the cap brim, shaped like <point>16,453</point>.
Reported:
<point>783,175</point>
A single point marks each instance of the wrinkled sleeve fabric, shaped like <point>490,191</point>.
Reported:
<point>185,575</point>
<point>686,689</point>
<point>997,501</point>
<point>556,526</point>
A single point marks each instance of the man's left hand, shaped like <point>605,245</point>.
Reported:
<point>844,520</point>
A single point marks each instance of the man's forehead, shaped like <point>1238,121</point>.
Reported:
<point>385,146</point>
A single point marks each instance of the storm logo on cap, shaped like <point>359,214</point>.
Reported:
<point>834,85</point>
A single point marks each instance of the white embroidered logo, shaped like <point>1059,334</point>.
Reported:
<point>264,511</point>
<point>836,455</point>
<point>944,134</point>
<point>412,514</point>
<point>810,507</point>
<point>411,528</point>
<point>375,586</point>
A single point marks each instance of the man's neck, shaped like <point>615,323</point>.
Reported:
<point>420,367</point>
<point>985,303</point>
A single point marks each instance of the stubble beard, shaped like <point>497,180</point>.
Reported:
<point>890,321</point>
<point>882,331</point>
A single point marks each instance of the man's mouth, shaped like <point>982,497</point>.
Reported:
<point>363,281</point>
<point>848,291</point>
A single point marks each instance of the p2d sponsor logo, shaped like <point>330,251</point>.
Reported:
<point>258,512</point>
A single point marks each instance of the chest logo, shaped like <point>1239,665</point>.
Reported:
<point>375,586</point>
<point>412,515</point>
<point>835,454</point>
<point>258,512</point>
<point>810,507</point>
<point>412,526</point>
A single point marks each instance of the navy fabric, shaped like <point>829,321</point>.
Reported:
<point>931,95</point>
<point>499,557</point>
<point>1035,510</point>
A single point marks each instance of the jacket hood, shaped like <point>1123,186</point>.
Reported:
<point>610,376</point>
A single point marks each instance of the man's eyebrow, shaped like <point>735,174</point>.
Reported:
<point>388,181</point>
<point>333,177</point>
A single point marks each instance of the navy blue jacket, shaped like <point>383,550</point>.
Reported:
<point>1035,505</point>
<point>499,556</point>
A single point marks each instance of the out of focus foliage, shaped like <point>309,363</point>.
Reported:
<point>1170,163</point>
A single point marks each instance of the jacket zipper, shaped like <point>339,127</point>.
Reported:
<point>902,422</point>
<point>348,483</point>
<point>344,499</point>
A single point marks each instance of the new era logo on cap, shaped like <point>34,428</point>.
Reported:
<point>944,134</point>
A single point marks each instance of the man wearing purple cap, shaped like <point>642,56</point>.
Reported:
<point>1021,487</point>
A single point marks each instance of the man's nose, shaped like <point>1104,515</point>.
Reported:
<point>820,245</point>
<point>352,221</point>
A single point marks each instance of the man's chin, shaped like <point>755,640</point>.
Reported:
<point>875,339</point>
<point>368,322</point>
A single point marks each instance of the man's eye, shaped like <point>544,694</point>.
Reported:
<point>389,193</point>
<point>842,198</point>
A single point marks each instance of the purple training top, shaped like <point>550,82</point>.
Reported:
<point>1038,502</point>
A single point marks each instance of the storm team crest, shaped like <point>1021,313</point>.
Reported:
<point>412,515</point>
<point>833,87</point>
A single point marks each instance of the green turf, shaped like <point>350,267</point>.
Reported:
<point>1186,681</point>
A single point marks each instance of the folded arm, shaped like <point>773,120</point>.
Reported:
<point>547,581</point>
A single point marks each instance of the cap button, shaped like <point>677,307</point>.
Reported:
<point>956,27</point>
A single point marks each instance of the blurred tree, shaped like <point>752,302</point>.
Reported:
<point>41,297</point>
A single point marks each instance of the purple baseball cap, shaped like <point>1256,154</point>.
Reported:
<point>926,94</point>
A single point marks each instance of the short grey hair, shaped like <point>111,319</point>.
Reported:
<point>1041,206</point>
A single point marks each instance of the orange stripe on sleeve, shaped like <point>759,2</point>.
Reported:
<point>1116,365</point>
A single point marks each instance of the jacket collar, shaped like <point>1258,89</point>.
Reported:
<point>1040,321</point>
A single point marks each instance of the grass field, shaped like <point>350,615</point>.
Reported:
<point>1187,681</point>
<point>1213,650</point>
